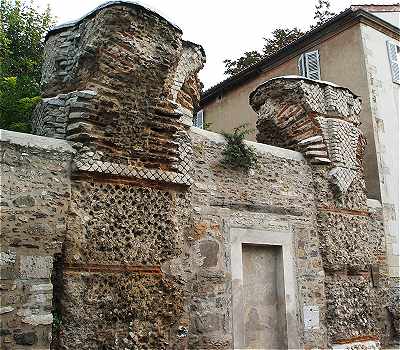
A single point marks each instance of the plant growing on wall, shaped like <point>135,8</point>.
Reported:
<point>236,153</point>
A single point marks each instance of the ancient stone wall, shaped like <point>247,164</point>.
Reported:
<point>35,195</point>
<point>278,197</point>
<point>121,84</point>
<point>321,120</point>
<point>177,237</point>
<point>143,230</point>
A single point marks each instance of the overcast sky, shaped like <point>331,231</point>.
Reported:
<point>225,28</point>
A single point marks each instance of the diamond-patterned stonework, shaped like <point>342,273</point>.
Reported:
<point>341,139</point>
<point>317,118</point>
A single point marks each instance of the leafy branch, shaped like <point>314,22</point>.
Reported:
<point>236,153</point>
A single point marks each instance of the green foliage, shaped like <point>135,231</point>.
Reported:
<point>21,38</point>
<point>322,12</point>
<point>248,59</point>
<point>17,100</point>
<point>278,39</point>
<point>22,33</point>
<point>207,126</point>
<point>57,320</point>
<point>236,153</point>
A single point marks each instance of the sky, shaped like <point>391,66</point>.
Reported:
<point>225,28</point>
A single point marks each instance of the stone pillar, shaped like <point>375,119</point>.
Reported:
<point>321,120</point>
<point>121,84</point>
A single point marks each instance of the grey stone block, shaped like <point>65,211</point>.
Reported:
<point>24,201</point>
<point>36,266</point>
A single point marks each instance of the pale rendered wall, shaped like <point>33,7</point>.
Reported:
<point>341,60</point>
<point>391,17</point>
<point>384,102</point>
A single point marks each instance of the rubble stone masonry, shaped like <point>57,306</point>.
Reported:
<point>35,196</point>
<point>320,120</point>
<point>119,228</point>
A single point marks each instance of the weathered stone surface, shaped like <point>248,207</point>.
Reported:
<point>7,258</point>
<point>273,198</point>
<point>127,310</point>
<point>118,223</point>
<point>209,251</point>
<point>130,99</point>
<point>36,266</point>
<point>122,85</point>
<point>394,310</point>
<point>354,307</point>
<point>24,201</point>
<point>36,320</point>
<point>36,185</point>
<point>321,120</point>
<point>146,228</point>
<point>347,242</point>
<point>305,114</point>
<point>27,338</point>
<point>6,309</point>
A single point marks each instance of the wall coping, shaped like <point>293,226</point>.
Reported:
<point>64,26</point>
<point>29,140</point>
<point>260,147</point>
<point>308,80</point>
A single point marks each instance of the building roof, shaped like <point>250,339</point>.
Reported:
<point>377,8</point>
<point>333,25</point>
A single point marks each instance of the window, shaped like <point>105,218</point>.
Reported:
<point>309,65</point>
<point>394,60</point>
<point>198,120</point>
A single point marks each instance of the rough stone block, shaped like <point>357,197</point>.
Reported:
<point>36,266</point>
<point>6,309</point>
<point>24,201</point>
<point>347,242</point>
<point>26,338</point>
<point>7,258</point>
<point>40,319</point>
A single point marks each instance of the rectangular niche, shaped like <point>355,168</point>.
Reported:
<point>263,297</point>
<point>263,290</point>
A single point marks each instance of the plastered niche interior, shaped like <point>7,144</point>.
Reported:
<point>263,312</point>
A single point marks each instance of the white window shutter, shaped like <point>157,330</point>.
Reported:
<point>301,66</point>
<point>312,65</point>
<point>199,120</point>
<point>394,61</point>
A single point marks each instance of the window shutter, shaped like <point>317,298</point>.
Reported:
<point>301,67</point>
<point>394,62</point>
<point>312,65</point>
<point>199,120</point>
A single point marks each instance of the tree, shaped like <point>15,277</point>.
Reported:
<point>22,32</point>
<point>322,12</point>
<point>278,39</point>
<point>248,59</point>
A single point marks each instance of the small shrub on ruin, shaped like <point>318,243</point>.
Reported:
<point>236,153</point>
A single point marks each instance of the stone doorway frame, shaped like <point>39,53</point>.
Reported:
<point>260,237</point>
